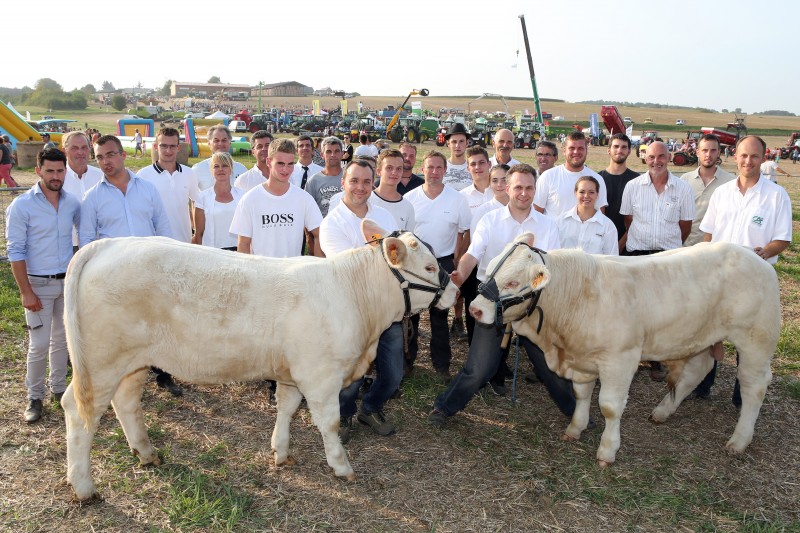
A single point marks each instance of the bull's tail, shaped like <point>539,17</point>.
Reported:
<point>81,379</point>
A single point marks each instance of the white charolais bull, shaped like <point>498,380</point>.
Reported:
<point>211,316</point>
<point>602,315</point>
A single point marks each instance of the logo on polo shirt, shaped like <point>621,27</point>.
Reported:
<point>757,220</point>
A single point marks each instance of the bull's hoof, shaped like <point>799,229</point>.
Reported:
<point>656,420</point>
<point>88,500</point>
<point>568,438</point>
<point>733,449</point>
<point>603,464</point>
<point>289,461</point>
<point>351,477</point>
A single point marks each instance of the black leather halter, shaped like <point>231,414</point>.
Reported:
<point>407,286</point>
<point>490,291</point>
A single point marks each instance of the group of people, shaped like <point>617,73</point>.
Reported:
<point>466,206</point>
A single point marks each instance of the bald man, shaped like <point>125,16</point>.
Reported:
<point>503,143</point>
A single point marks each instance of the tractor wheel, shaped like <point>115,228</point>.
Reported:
<point>439,141</point>
<point>679,159</point>
<point>253,127</point>
<point>423,137</point>
<point>412,135</point>
<point>536,136</point>
<point>518,143</point>
<point>396,135</point>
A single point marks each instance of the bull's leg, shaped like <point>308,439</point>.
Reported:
<point>580,418</point>
<point>127,403</point>
<point>615,382</point>
<point>288,399</point>
<point>693,373</point>
<point>323,402</point>
<point>80,435</point>
<point>754,375</point>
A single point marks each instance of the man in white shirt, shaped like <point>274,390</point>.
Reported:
<point>341,231</point>
<point>390,168</point>
<point>366,148</point>
<point>457,175</point>
<point>271,218</point>
<point>259,147</point>
<point>175,183</point>
<point>751,211</point>
<point>555,189</point>
<point>80,177</point>
<point>442,217</point>
<point>305,166</point>
<point>503,143</point>
<point>219,140</point>
<point>495,230</point>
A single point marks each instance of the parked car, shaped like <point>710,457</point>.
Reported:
<point>193,115</point>
<point>680,122</point>
<point>237,126</point>
<point>627,121</point>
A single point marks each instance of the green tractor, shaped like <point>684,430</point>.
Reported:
<point>414,129</point>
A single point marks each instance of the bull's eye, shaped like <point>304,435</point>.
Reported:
<point>430,268</point>
<point>513,284</point>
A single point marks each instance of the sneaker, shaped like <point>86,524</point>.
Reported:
<point>345,429</point>
<point>457,329</point>
<point>377,422</point>
<point>437,418</point>
<point>34,411</point>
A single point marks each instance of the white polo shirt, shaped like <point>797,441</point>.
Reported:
<point>341,229</point>
<point>78,186</point>
<point>498,228</point>
<point>478,213</point>
<point>475,197</point>
<point>175,191</point>
<point>440,220</point>
<point>763,214</point>
<point>702,195</point>
<point>250,179</point>
<point>598,235</point>
<point>656,216</point>
<point>401,210</point>
<point>555,190</point>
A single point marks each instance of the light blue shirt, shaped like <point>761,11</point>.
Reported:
<point>39,234</point>
<point>106,212</point>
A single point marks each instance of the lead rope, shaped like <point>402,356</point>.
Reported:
<point>516,368</point>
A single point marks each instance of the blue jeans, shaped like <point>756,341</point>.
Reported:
<point>389,367</point>
<point>483,360</point>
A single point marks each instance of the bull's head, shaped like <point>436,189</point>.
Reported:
<point>407,255</point>
<point>514,281</point>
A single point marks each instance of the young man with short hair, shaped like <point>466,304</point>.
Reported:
<point>457,175</point>
<point>324,184</point>
<point>259,147</point>
<point>305,166</point>
<point>386,195</point>
<point>615,177</point>
<point>409,181</point>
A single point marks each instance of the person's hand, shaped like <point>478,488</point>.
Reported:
<point>457,278</point>
<point>760,252</point>
<point>31,302</point>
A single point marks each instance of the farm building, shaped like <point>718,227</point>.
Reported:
<point>285,88</point>
<point>180,88</point>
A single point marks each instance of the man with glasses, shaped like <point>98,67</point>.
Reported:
<point>259,147</point>
<point>503,143</point>
<point>219,139</point>
<point>122,204</point>
<point>546,156</point>
<point>175,183</point>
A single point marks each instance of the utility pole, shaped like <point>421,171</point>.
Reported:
<point>260,86</point>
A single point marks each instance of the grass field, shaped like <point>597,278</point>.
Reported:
<point>498,467</point>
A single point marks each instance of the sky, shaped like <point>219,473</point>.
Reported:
<point>714,54</point>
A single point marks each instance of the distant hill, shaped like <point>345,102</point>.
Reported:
<point>776,113</point>
<point>648,105</point>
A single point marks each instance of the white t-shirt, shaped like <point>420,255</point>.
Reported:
<point>656,216</point>
<point>366,150</point>
<point>498,228</point>
<point>478,213</point>
<point>218,217</point>
<point>249,179</point>
<point>175,190</point>
<point>341,229</point>
<point>598,235</point>
<point>476,198</point>
<point>297,174</point>
<point>457,176</point>
<point>770,170</point>
<point>401,210</point>
<point>555,190</point>
<point>763,214</point>
<point>439,221</point>
<point>78,186</point>
<point>202,172</point>
<point>276,223</point>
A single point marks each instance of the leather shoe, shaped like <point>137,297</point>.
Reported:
<point>34,411</point>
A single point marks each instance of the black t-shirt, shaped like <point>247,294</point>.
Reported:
<point>413,183</point>
<point>615,186</point>
<point>6,155</point>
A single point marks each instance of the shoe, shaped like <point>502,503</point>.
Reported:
<point>457,329</point>
<point>34,411</point>
<point>498,390</point>
<point>445,375</point>
<point>345,429</point>
<point>437,418</point>
<point>658,372</point>
<point>172,387</point>
<point>377,422</point>
<point>532,378</point>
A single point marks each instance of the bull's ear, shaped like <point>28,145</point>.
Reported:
<point>372,232</point>
<point>395,251</point>
<point>528,238</point>
<point>541,278</point>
